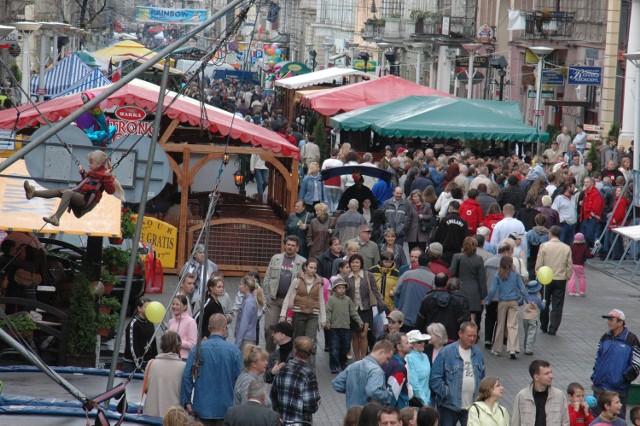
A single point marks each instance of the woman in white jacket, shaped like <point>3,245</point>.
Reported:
<point>486,411</point>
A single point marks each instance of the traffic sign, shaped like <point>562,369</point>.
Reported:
<point>259,45</point>
<point>41,91</point>
<point>259,54</point>
<point>544,94</point>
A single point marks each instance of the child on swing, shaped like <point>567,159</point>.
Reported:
<point>87,194</point>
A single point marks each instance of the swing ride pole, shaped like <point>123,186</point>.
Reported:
<point>136,236</point>
<point>113,88</point>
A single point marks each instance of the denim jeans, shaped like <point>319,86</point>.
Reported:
<point>591,230</point>
<point>262,180</point>
<point>332,195</point>
<point>451,418</point>
<point>567,233</point>
<point>530,332</point>
<point>340,347</point>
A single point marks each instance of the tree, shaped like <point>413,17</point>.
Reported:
<point>594,156</point>
<point>89,12</point>
<point>320,138</point>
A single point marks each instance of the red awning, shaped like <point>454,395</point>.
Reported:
<point>145,95</point>
<point>367,93</point>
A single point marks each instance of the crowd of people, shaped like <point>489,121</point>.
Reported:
<point>402,334</point>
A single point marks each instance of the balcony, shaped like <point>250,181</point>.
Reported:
<point>373,28</point>
<point>540,24</point>
<point>460,28</point>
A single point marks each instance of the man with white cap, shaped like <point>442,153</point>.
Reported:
<point>617,360</point>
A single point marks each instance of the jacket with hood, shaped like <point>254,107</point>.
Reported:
<point>449,309</point>
<point>535,237</point>
<point>491,220</point>
<point>471,212</point>
<point>310,187</point>
<point>481,415</point>
<point>386,280</point>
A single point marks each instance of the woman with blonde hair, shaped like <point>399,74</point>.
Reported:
<point>344,150</point>
<point>439,338</point>
<point>469,268</point>
<point>175,416</point>
<point>312,188</point>
<point>319,233</point>
<point>255,360</point>
<point>486,411</point>
<point>247,319</point>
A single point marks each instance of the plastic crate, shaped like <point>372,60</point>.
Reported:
<point>633,397</point>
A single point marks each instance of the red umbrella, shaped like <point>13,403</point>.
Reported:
<point>155,29</point>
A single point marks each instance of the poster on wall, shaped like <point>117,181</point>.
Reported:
<point>165,15</point>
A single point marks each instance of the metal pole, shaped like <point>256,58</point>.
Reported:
<point>110,90</point>
<point>43,52</point>
<point>636,122</point>
<point>136,236</point>
<point>472,56</point>
<point>538,99</point>
<point>419,66</point>
<point>502,73</point>
<point>26,67</point>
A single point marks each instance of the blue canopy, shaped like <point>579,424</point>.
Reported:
<point>70,75</point>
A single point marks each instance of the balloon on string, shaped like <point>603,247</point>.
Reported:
<point>591,401</point>
<point>271,62</point>
<point>271,52</point>
<point>86,121</point>
<point>545,275</point>
<point>277,67</point>
<point>274,46</point>
<point>278,51</point>
<point>155,312</point>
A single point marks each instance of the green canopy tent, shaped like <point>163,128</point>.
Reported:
<point>442,117</point>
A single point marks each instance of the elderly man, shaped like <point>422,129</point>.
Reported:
<point>397,215</point>
<point>568,156</point>
<point>282,268</point>
<point>349,222</point>
<point>368,249</point>
<point>556,255</point>
<point>563,140</point>
<point>253,412</point>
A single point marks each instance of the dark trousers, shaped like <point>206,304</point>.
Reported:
<point>451,418</point>
<point>554,296</point>
<point>567,232</point>
<point>340,347</point>
<point>490,321</point>
<point>623,400</point>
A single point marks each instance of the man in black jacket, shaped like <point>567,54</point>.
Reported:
<point>512,194</point>
<point>253,412</point>
<point>283,337</point>
<point>444,307</point>
<point>451,232</point>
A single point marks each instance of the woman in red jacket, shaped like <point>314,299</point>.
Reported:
<point>621,204</point>
<point>494,215</point>
<point>87,194</point>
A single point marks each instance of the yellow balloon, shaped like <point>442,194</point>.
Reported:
<point>155,312</point>
<point>545,275</point>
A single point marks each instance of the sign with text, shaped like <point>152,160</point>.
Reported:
<point>591,76</point>
<point>171,16</point>
<point>163,237</point>
<point>478,62</point>
<point>552,77</point>
<point>544,94</point>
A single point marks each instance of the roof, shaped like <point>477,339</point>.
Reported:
<point>145,95</point>
<point>442,117</point>
<point>70,75</point>
<point>328,75</point>
<point>366,93</point>
<point>26,216</point>
<point>123,48</point>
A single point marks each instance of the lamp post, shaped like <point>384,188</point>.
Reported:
<point>327,48</point>
<point>541,52</point>
<point>351,45</point>
<point>472,48</point>
<point>312,59</point>
<point>26,28</point>
<point>634,58</point>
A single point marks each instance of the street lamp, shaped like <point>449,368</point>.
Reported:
<point>541,52</point>
<point>351,45</point>
<point>327,48</point>
<point>472,48</point>
<point>26,28</point>
<point>634,58</point>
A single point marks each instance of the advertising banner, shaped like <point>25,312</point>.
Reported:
<point>171,16</point>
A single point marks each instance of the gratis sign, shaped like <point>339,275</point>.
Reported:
<point>591,76</point>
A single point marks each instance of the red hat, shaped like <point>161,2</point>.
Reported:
<point>401,150</point>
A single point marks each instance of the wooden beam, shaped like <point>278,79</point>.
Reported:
<point>169,131</point>
<point>219,149</point>
<point>184,209</point>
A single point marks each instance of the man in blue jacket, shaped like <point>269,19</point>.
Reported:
<point>220,366</point>
<point>455,376</point>
<point>617,360</point>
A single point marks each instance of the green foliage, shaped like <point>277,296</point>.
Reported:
<point>614,130</point>
<point>394,15</point>
<point>417,14</point>
<point>127,225</point>
<point>320,138</point>
<point>111,303</point>
<point>107,321</point>
<point>477,145</point>
<point>16,71</point>
<point>108,278</point>
<point>21,322</point>
<point>594,157</point>
<point>553,131</point>
<point>115,259</point>
<point>82,318</point>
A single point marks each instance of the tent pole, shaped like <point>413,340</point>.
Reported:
<point>110,90</point>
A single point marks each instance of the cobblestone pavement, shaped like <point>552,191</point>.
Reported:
<point>571,352</point>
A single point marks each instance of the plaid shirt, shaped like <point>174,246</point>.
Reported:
<point>294,393</point>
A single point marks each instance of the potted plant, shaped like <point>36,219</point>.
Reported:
<point>23,326</point>
<point>115,260</point>
<point>82,323</point>
<point>127,227</point>
<point>106,323</point>
<point>110,304</point>
<point>108,281</point>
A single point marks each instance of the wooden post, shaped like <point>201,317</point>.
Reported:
<point>185,182</point>
<point>294,186</point>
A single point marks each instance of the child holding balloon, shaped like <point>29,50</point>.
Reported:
<point>139,332</point>
<point>531,315</point>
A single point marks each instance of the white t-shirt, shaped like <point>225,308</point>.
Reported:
<point>468,378</point>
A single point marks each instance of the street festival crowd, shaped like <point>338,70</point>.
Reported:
<point>484,235</point>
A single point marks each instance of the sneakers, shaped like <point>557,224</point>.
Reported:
<point>573,294</point>
<point>29,191</point>
<point>582,294</point>
<point>512,355</point>
<point>494,353</point>
<point>529,353</point>
<point>52,220</point>
<point>488,345</point>
<point>335,371</point>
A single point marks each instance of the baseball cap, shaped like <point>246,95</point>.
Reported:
<point>435,249</point>
<point>284,328</point>
<point>484,231</point>
<point>415,336</point>
<point>396,316</point>
<point>401,150</point>
<point>616,313</point>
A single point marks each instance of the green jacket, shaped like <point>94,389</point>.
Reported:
<point>340,311</point>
